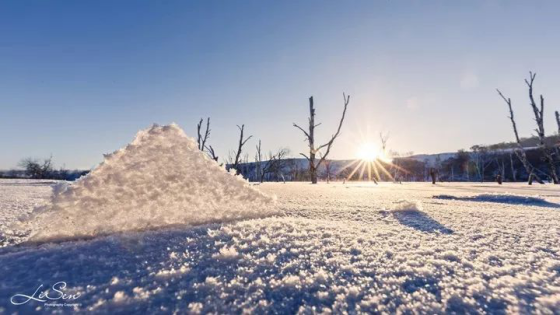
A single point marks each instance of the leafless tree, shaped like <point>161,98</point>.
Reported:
<point>482,160</point>
<point>258,162</point>
<point>384,139</point>
<point>558,121</point>
<point>201,139</point>
<point>37,169</point>
<point>310,137</point>
<point>499,159</point>
<point>274,164</point>
<point>513,170</point>
<point>539,119</point>
<point>242,142</point>
<point>520,152</point>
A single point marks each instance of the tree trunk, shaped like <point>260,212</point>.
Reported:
<point>313,172</point>
<point>313,166</point>
<point>513,171</point>
<point>539,119</point>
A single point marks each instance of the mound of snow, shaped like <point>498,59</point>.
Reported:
<point>158,180</point>
<point>406,206</point>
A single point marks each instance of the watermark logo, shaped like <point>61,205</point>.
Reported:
<point>53,296</point>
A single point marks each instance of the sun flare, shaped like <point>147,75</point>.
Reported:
<point>368,152</point>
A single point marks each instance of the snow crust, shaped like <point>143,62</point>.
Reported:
<point>391,249</point>
<point>160,179</point>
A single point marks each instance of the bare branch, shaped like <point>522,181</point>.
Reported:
<point>201,140</point>
<point>242,142</point>
<point>199,136</point>
<point>512,118</point>
<point>305,156</point>
<point>212,153</point>
<point>329,144</point>
<point>207,133</point>
<point>275,163</point>
<point>247,139</point>
<point>305,132</point>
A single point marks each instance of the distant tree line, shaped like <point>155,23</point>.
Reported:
<point>481,164</point>
<point>536,158</point>
<point>42,169</point>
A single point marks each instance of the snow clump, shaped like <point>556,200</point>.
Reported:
<point>160,179</point>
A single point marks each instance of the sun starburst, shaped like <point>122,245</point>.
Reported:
<point>373,162</point>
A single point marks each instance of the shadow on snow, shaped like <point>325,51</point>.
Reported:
<point>418,220</point>
<point>502,198</point>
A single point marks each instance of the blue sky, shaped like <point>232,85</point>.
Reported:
<point>79,78</point>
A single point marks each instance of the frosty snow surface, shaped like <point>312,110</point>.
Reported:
<point>336,248</point>
<point>160,179</point>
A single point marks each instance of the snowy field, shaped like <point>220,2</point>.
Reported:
<point>464,248</point>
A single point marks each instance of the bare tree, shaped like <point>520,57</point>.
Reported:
<point>242,142</point>
<point>513,170</point>
<point>499,159</point>
<point>37,169</point>
<point>258,162</point>
<point>539,119</point>
<point>310,136</point>
<point>482,160</point>
<point>275,163</point>
<point>520,152</point>
<point>201,139</point>
<point>558,121</point>
<point>384,139</point>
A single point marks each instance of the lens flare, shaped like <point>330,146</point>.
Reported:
<point>368,152</point>
<point>372,161</point>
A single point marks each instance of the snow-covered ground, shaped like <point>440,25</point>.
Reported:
<point>333,248</point>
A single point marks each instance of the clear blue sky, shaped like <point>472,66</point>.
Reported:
<point>79,78</point>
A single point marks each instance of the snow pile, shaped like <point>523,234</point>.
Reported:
<point>405,206</point>
<point>158,180</point>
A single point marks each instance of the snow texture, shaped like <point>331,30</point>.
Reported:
<point>353,248</point>
<point>160,179</point>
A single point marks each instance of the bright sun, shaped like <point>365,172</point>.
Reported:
<point>368,152</point>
